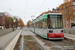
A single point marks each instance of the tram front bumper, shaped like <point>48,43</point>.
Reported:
<point>55,35</point>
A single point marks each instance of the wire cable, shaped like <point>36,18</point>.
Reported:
<point>26,5</point>
<point>10,4</point>
<point>40,6</point>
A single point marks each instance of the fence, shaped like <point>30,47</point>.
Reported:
<point>69,30</point>
<point>5,31</point>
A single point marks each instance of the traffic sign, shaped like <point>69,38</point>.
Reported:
<point>14,20</point>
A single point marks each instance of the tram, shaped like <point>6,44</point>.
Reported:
<point>48,26</point>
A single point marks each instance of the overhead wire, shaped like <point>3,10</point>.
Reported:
<point>26,5</point>
<point>40,6</point>
<point>26,8</point>
<point>10,4</point>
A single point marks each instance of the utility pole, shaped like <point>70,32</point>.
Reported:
<point>34,23</point>
<point>14,20</point>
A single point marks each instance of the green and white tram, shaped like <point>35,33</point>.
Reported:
<point>48,26</point>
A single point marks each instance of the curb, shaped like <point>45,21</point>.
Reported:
<point>13,42</point>
<point>69,37</point>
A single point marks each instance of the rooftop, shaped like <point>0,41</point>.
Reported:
<point>1,14</point>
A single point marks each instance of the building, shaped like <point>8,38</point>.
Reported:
<point>2,19</point>
<point>55,10</point>
<point>68,11</point>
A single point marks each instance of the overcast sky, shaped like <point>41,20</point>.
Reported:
<point>27,8</point>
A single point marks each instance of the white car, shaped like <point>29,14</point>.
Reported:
<point>18,27</point>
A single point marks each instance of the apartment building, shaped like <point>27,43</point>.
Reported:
<point>2,19</point>
<point>70,9</point>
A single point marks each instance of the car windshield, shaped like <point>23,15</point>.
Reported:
<point>55,21</point>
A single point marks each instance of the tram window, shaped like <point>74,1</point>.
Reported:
<point>32,25</point>
<point>40,24</point>
<point>44,24</point>
<point>36,24</point>
<point>55,21</point>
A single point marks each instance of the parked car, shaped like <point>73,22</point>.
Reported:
<point>18,27</point>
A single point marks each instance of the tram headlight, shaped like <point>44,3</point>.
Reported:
<point>50,31</point>
<point>61,30</point>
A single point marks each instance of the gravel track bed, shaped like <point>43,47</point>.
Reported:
<point>31,44</point>
<point>17,46</point>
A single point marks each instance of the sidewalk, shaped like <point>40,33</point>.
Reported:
<point>69,36</point>
<point>7,38</point>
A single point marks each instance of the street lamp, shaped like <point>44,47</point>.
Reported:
<point>32,17</point>
<point>24,24</point>
<point>14,20</point>
<point>34,23</point>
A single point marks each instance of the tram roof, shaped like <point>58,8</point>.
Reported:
<point>44,17</point>
<point>55,13</point>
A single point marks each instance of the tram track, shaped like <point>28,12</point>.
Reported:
<point>38,41</point>
<point>59,44</point>
<point>64,45</point>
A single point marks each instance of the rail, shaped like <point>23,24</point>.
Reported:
<point>38,41</point>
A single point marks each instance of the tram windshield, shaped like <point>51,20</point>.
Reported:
<point>55,21</point>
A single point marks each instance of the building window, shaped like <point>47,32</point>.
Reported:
<point>74,19</point>
<point>73,0</point>
<point>67,20</point>
<point>67,24</point>
<point>73,3</point>
<point>4,22</point>
<point>71,19</point>
<point>74,8</point>
<point>3,19</point>
<point>74,12</point>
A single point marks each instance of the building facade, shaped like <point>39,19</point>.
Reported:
<point>71,22</point>
<point>2,19</point>
<point>67,9</point>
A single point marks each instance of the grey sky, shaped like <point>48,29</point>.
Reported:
<point>26,8</point>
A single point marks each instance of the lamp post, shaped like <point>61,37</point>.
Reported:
<point>34,23</point>
<point>32,17</point>
<point>14,20</point>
